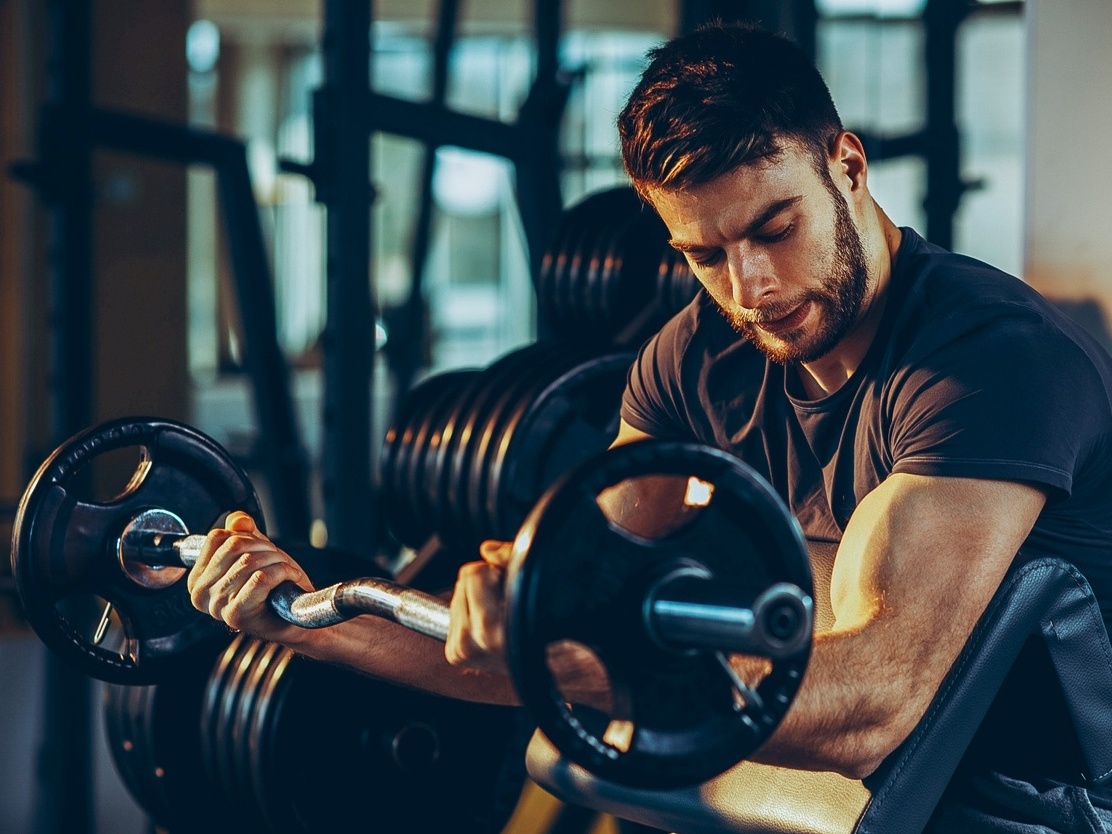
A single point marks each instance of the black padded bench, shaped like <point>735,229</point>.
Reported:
<point>1043,603</point>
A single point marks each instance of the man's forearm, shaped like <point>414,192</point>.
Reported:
<point>851,710</point>
<point>392,652</point>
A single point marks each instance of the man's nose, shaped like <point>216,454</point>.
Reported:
<point>751,278</point>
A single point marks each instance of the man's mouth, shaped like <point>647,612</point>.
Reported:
<point>789,322</point>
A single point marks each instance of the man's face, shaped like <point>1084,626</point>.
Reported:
<point>776,248</point>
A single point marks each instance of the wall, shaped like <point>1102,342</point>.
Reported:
<point>1068,207</point>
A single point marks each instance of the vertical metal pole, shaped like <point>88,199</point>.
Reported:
<point>539,166</point>
<point>343,153</point>
<point>941,21</point>
<point>63,802</point>
<point>279,439</point>
<point>409,356</point>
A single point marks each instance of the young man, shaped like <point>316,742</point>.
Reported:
<point>927,412</point>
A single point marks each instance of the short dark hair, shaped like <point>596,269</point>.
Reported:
<point>720,97</point>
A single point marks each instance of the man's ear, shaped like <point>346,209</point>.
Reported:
<point>848,165</point>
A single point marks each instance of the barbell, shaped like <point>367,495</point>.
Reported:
<point>659,558</point>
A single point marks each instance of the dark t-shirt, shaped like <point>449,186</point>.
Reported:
<point>971,374</point>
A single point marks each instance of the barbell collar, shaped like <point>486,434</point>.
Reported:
<point>690,611</point>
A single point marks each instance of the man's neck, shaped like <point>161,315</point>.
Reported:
<point>830,372</point>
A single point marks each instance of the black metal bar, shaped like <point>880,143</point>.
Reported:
<point>941,21</point>
<point>283,455</point>
<point>342,161</point>
<point>435,124</point>
<point>63,802</point>
<point>408,351</point>
<point>879,147</point>
<point>166,141</point>
<point>538,161</point>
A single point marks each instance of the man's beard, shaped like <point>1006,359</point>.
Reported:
<point>838,301</point>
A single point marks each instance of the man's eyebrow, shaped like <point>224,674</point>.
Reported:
<point>769,212</point>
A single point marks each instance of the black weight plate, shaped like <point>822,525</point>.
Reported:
<point>411,403</point>
<point>240,736</point>
<point>553,264</point>
<point>150,777</point>
<point>169,721</point>
<point>336,751</point>
<point>121,742</point>
<point>211,704</point>
<point>397,512</point>
<point>457,483</point>
<point>577,302</point>
<point>278,807</point>
<point>236,688</point>
<point>509,371</point>
<point>426,438</point>
<point>535,359</point>
<point>579,575</point>
<point>636,260</point>
<point>220,701</point>
<point>548,361</point>
<point>684,284</point>
<point>585,397</point>
<point>591,218</point>
<point>63,548</point>
<point>439,488</point>
<point>408,522</point>
<point>594,310</point>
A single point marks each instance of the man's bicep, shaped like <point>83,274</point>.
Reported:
<point>928,552</point>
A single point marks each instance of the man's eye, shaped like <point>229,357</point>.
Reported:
<point>774,237</point>
<point>709,259</point>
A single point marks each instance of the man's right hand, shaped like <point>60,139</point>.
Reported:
<point>235,572</point>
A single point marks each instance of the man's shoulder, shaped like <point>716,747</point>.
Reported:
<point>944,295</point>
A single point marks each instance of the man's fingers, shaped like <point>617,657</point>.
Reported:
<point>496,553</point>
<point>240,522</point>
<point>476,635</point>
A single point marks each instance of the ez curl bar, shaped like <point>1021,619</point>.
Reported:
<point>659,557</point>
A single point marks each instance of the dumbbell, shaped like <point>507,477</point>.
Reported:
<point>660,591</point>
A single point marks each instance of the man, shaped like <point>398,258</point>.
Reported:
<point>928,412</point>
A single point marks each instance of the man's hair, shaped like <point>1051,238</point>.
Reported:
<point>720,97</point>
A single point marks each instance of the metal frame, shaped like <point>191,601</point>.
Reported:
<point>279,445</point>
<point>346,111</point>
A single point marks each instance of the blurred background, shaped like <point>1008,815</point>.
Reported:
<point>271,218</point>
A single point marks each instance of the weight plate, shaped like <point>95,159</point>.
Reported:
<point>438,486</point>
<point>167,721</point>
<point>65,548</point>
<point>403,511</point>
<point>239,740</point>
<point>121,741</point>
<point>535,358</point>
<point>493,382</point>
<point>426,438</point>
<point>531,456</point>
<point>583,575</point>
<point>321,735</point>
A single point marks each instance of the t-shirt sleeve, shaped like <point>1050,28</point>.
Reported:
<point>653,397</point>
<point>1013,399</point>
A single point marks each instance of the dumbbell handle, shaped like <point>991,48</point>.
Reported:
<point>688,611</point>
